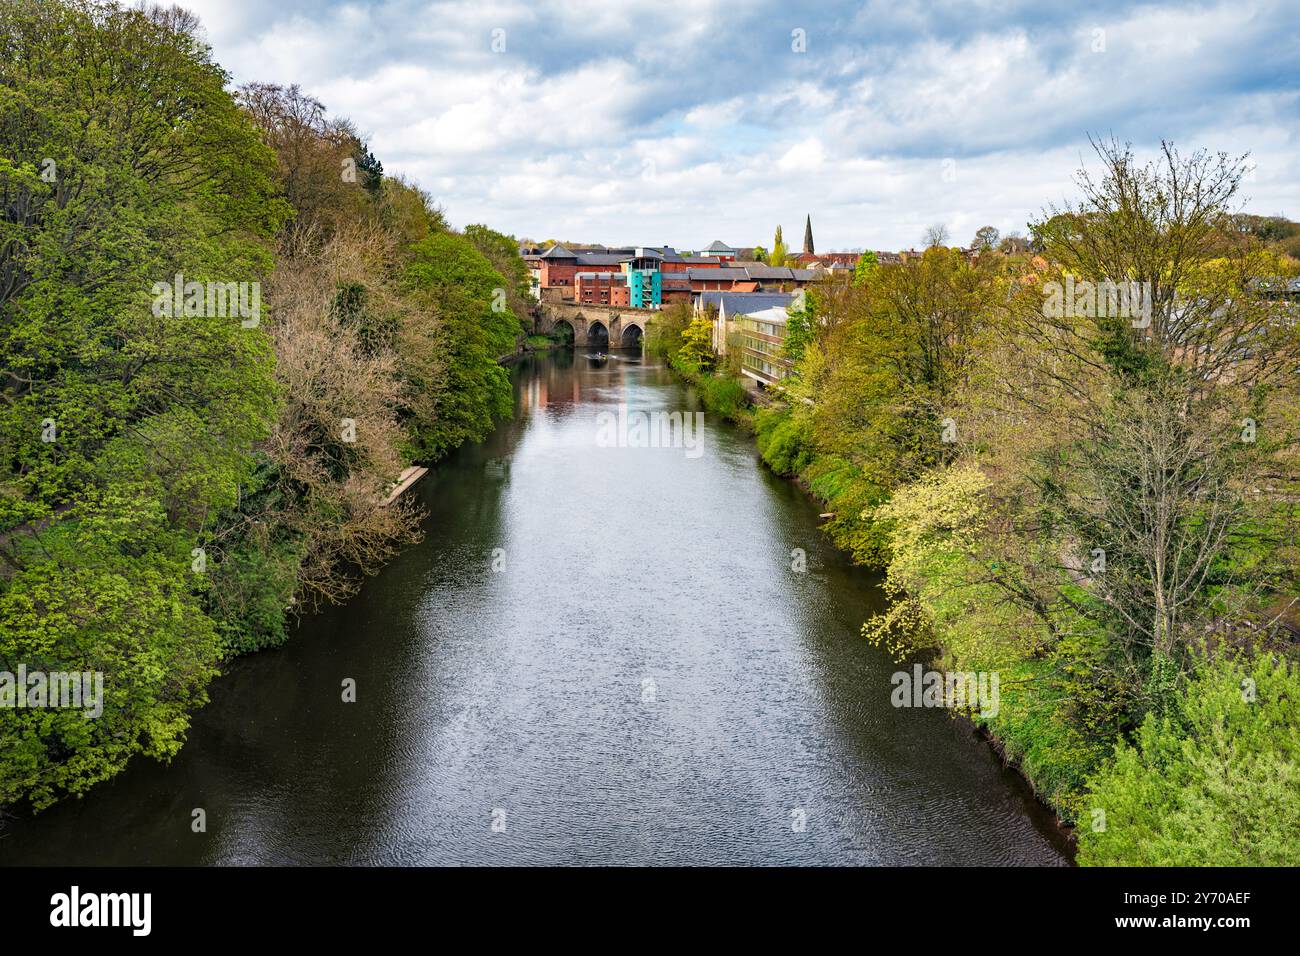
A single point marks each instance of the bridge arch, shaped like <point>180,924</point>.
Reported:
<point>597,334</point>
<point>563,328</point>
<point>631,336</point>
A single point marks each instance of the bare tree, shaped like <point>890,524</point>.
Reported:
<point>1162,434</point>
<point>337,444</point>
<point>936,235</point>
<point>318,156</point>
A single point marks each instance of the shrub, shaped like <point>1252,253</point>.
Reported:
<point>783,441</point>
<point>851,496</point>
<point>1215,781</point>
<point>253,589</point>
<point>725,395</point>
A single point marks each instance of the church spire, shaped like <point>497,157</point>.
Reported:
<point>807,236</point>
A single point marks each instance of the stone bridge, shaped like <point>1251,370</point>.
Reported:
<point>596,326</point>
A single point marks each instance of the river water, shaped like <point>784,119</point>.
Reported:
<point>599,653</point>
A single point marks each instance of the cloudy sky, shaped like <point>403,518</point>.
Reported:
<point>677,123</point>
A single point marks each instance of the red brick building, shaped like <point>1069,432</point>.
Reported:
<point>558,267</point>
<point>601,288</point>
<point>721,251</point>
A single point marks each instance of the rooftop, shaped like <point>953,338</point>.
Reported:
<point>775,314</point>
<point>558,252</point>
<point>744,303</point>
<point>722,272</point>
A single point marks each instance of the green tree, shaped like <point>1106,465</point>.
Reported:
<point>125,425</point>
<point>893,354</point>
<point>779,254</point>
<point>502,251</point>
<point>798,332</point>
<point>865,268</point>
<point>372,169</point>
<point>467,330</point>
<point>1146,457</point>
<point>663,336</point>
<point>986,237</point>
<point>696,352</point>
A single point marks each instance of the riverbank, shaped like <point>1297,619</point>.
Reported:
<point>530,345</point>
<point>844,495</point>
<point>172,514</point>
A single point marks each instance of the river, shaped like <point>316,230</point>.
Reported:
<point>597,654</point>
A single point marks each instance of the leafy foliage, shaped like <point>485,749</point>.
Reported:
<point>798,333</point>
<point>779,254</point>
<point>174,486</point>
<point>1088,502</point>
<point>696,351</point>
<point>122,431</point>
<point>865,268</point>
<point>451,278</point>
<point>1215,781</point>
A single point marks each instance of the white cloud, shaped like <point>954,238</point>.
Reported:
<point>694,121</point>
<point>806,156</point>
